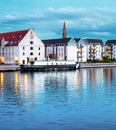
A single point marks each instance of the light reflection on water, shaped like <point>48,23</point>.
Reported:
<point>84,99</point>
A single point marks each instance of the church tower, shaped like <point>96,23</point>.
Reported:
<point>64,35</point>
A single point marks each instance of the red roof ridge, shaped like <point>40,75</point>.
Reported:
<point>13,38</point>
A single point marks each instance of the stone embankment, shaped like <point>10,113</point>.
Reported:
<point>97,65</point>
<point>9,67</point>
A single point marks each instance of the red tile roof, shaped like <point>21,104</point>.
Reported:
<point>13,38</point>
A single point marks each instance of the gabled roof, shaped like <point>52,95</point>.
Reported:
<point>13,38</point>
<point>110,42</point>
<point>56,41</point>
<point>95,41</point>
<point>77,39</point>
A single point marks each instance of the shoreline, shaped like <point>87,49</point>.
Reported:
<point>97,65</point>
<point>9,67</point>
<point>12,67</point>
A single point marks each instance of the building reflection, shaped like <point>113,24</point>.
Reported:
<point>95,81</point>
<point>88,81</point>
<point>55,87</point>
<point>109,75</point>
<point>1,83</point>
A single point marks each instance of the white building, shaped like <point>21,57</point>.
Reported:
<point>110,49</point>
<point>81,50</point>
<point>60,49</point>
<point>76,49</point>
<point>89,49</point>
<point>92,49</point>
<point>95,49</point>
<point>21,47</point>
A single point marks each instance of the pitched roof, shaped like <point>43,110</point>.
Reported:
<point>56,41</point>
<point>95,41</point>
<point>110,42</point>
<point>12,38</point>
<point>77,39</point>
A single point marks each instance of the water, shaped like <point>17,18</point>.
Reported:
<point>74,100</point>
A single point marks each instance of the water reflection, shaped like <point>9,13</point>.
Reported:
<point>29,85</point>
<point>55,86</point>
<point>43,100</point>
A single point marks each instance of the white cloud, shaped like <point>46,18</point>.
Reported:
<point>92,18</point>
<point>100,33</point>
<point>94,21</point>
<point>9,17</point>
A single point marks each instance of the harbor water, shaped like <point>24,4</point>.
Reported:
<point>73,100</point>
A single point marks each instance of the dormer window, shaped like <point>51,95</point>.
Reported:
<point>11,42</point>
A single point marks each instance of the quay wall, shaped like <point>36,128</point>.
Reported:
<point>97,65</point>
<point>9,67</point>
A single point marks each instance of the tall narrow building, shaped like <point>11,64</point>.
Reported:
<point>64,35</point>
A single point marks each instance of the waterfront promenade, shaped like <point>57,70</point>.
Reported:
<point>97,65</point>
<point>9,67</point>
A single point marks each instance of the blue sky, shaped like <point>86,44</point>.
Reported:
<point>84,19</point>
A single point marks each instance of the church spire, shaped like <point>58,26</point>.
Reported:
<point>64,35</point>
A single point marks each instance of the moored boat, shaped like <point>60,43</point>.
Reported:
<point>50,65</point>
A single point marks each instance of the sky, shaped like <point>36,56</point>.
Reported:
<point>84,18</point>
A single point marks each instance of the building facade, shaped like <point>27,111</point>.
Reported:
<point>76,49</point>
<point>21,47</point>
<point>95,49</point>
<point>60,49</point>
<point>110,49</point>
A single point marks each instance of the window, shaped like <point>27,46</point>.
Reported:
<point>39,53</point>
<point>39,48</point>
<point>35,59</point>
<point>31,48</point>
<point>23,53</point>
<point>31,36</point>
<point>31,42</point>
<point>31,53</point>
<point>23,48</point>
